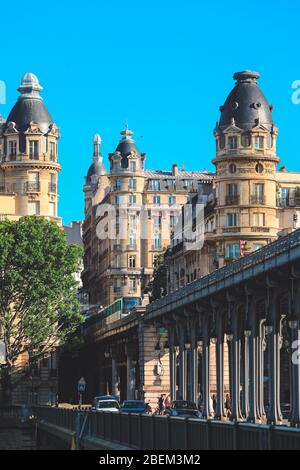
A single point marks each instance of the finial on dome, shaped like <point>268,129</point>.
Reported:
<point>246,76</point>
<point>127,133</point>
<point>97,139</point>
<point>30,87</point>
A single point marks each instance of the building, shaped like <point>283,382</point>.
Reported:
<point>28,186</point>
<point>253,202</point>
<point>119,263</point>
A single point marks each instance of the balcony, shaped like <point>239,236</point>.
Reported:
<point>131,247</point>
<point>258,199</point>
<point>6,189</point>
<point>232,200</point>
<point>260,229</point>
<point>32,187</point>
<point>52,188</point>
<point>231,229</point>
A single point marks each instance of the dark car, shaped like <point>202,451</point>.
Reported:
<point>134,406</point>
<point>184,408</point>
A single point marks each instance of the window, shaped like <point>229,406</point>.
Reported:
<point>132,183</point>
<point>52,209</point>
<point>33,149</point>
<point>157,221</point>
<point>156,200</point>
<point>172,200</point>
<point>232,189</point>
<point>259,142</point>
<point>285,192</point>
<point>132,199</point>
<point>172,222</point>
<point>222,141</point>
<point>132,241</point>
<point>232,142</point>
<point>232,218</point>
<point>258,219</point>
<point>155,186</point>
<point>132,166</point>
<point>257,246</point>
<point>270,141</point>
<point>232,168</point>
<point>117,200</point>
<point>157,240</point>
<point>52,151</point>
<point>34,181</point>
<point>132,284</point>
<point>52,184</point>
<point>233,250</point>
<point>33,208</point>
<point>259,168</point>
<point>116,166</point>
<point>117,185</point>
<point>246,141</point>
<point>132,221</point>
<point>12,148</point>
<point>132,261</point>
<point>259,193</point>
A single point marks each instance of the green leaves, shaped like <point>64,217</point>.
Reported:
<point>38,292</point>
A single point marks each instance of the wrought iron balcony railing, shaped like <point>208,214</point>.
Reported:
<point>32,187</point>
<point>260,229</point>
<point>230,229</point>
<point>52,188</point>
<point>257,199</point>
<point>232,200</point>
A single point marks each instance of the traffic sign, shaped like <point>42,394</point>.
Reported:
<point>81,385</point>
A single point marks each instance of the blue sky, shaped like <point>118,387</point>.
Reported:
<point>165,66</point>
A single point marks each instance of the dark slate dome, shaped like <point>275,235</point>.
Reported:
<point>97,168</point>
<point>246,103</point>
<point>126,146</point>
<point>30,106</point>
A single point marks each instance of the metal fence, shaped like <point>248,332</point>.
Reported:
<point>141,431</point>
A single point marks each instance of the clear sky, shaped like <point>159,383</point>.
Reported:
<point>166,66</point>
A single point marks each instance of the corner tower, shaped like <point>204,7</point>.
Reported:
<point>29,160</point>
<point>246,159</point>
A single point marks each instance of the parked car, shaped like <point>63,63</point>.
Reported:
<point>106,403</point>
<point>134,406</point>
<point>184,408</point>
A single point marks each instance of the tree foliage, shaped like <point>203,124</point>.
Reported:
<point>38,291</point>
<point>158,285</point>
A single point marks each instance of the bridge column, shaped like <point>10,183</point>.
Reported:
<point>205,378</point>
<point>235,368</point>
<point>254,339</point>
<point>220,412</point>
<point>273,328</point>
<point>182,363</point>
<point>130,373</point>
<point>294,323</point>
<point>245,368</point>
<point>114,378</point>
<point>172,356</point>
<point>193,388</point>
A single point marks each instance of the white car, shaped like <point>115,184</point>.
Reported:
<point>107,405</point>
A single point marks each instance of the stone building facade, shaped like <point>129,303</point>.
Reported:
<point>29,170</point>
<point>119,259</point>
<point>253,202</point>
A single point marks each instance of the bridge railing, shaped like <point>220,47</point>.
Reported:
<point>265,253</point>
<point>147,432</point>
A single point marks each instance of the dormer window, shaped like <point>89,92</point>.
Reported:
<point>245,140</point>
<point>259,142</point>
<point>232,142</point>
<point>155,185</point>
<point>12,149</point>
<point>52,151</point>
<point>33,150</point>
<point>132,166</point>
<point>222,141</point>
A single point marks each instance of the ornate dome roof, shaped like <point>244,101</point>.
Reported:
<point>30,106</point>
<point>126,146</point>
<point>246,104</point>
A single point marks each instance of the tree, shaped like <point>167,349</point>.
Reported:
<point>38,291</point>
<point>158,284</point>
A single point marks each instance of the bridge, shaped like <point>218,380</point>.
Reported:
<point>234,334</point>
<point>248,310</point>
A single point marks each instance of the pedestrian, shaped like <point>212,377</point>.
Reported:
<point>161,404</point>
<point>168,402</point>
<point>227,405</point>
<point>214,399</point>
